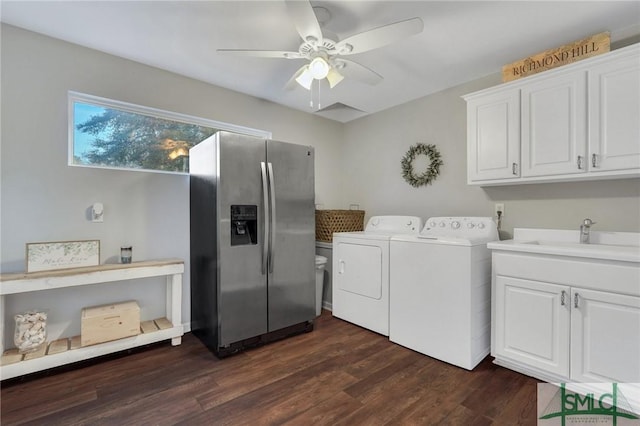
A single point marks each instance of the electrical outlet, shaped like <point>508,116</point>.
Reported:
<point>499,207</point>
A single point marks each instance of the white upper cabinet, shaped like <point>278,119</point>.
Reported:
<point>554,125</point>
<point>614,115</point>
<point>576,122</point>
<point>496,129</point>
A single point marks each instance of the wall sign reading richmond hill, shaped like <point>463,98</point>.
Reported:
<point>552,58</point>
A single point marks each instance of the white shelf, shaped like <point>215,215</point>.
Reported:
<point>37,281</point>
<point>74,355</point>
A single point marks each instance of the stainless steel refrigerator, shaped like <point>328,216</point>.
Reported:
<point>252,241</point>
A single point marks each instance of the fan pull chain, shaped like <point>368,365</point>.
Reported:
<point>311,95</point>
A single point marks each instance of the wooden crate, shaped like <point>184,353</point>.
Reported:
<point>330,221</point>
<point>109,322</point>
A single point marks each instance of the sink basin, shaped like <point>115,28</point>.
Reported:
<point>585,246</point>
<point>620,246</point>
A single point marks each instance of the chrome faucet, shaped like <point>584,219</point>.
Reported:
<point>585,230</point>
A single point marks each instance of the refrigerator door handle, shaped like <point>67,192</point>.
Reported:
<point>272,231</point>
<point>265,203</point>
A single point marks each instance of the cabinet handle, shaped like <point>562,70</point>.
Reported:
<point>514,168</point>
<point>575,300</point>
<point>579,162</point>
<point>341,266</point>
<point>594,160</point>
<point>562,295</point>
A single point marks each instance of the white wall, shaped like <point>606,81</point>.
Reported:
<point>43,199</point>
<point>375,145</point>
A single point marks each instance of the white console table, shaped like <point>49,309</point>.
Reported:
<point>152,331</point>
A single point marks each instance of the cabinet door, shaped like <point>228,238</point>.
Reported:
<point>493,136</point>
<point>532,324</point>
<point>554,125</point>
<point>614,111</point>
<point>605,337</point>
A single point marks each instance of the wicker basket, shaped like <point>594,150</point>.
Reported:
<point>330,221</point>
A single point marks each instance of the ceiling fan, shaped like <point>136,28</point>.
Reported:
<point>324,55</point>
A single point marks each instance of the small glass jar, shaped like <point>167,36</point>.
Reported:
<point>126,253</point>
<point>31,331</point>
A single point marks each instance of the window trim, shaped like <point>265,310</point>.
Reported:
<point>74,97</point>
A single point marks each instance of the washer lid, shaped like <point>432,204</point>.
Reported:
<point>392,225</point>
<point>451,241</point>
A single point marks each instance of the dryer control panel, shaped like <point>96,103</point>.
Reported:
<point>475,229</point>
<point>394,224</point>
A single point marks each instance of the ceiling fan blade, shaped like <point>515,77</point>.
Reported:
<point>262,53</point>
<point>378,37</point>
<point>304,18</point>
<point>359,72</point>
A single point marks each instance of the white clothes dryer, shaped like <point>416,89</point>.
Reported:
<point>440,293</point>
<point>361,271</point>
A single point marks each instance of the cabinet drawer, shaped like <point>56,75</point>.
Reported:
<point>604,275</point>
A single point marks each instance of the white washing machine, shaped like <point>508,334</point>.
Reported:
<point>361,271</point>
<point>440,293</point>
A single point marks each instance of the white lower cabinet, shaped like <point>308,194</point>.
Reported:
<point>566,333</point>
<point>532,323</point>
<point>605,335</point>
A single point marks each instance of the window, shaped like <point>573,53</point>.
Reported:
<point>105,133</point>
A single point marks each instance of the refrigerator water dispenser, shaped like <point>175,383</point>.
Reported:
<point>244,220</point>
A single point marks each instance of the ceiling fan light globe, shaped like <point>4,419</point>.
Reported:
<point>305,79</point>
<point>334,77</point>
<point>319,68</point>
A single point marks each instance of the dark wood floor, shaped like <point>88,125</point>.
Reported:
<point>339,374</point>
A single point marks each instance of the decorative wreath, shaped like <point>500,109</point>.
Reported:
<point>428,175</point>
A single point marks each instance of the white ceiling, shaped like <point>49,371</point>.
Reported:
<point>461,41</point>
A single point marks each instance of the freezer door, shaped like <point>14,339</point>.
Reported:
<point>242,289</point>
<point>292,258</point>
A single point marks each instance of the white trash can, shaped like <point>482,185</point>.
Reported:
<point>321,261</point>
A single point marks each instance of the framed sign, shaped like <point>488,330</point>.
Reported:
<point>552,58</point>
<point>62,255</point>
